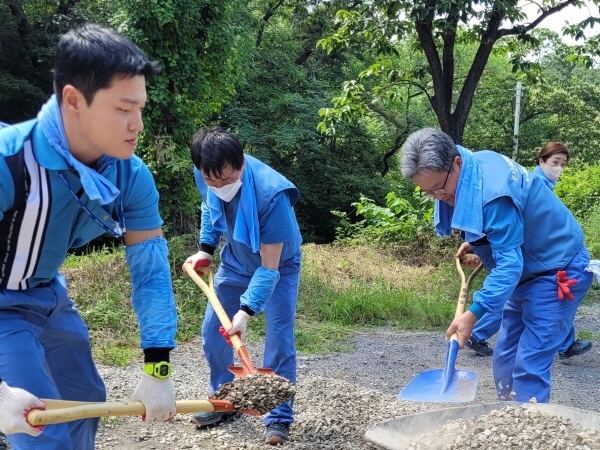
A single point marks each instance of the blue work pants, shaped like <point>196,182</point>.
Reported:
<point>45,349</point>
<point>535,323</point>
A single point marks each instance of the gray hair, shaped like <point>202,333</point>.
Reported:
<point>427,151</point>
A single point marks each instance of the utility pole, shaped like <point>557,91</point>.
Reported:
<point>517,117</point>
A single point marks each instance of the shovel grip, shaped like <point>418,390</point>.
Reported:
<point>59,411</point>
<point>464,285</point>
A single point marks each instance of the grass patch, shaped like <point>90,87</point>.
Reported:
<point>342,290</point>
<point>588,335</point>
<point>99,283</point>
<point>367,287</point>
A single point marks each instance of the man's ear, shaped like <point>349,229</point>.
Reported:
<point>458,161</point>
<point>72,99</point>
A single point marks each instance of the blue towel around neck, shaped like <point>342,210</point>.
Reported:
<point>467,212</point>
<point>95,185</point>
<point>247,227</point>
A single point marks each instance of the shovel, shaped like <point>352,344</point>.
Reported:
<point>60,411</point>
<point>209,291</point>
<point>448,384</point>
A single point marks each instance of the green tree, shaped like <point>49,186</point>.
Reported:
<point>440,29</point>
<point>195,44</point>
<point>275,114</point>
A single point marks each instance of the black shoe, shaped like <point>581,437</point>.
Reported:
<point>2,442</point>
<point>577,348</point>
<point>203,420</point>
<point>278,432</point>
<point>480,347</point>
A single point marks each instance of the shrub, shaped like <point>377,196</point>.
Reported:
<point>580,191</point>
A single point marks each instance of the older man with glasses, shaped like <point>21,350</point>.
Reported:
<point>539,277</point>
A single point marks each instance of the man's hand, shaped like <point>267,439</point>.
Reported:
<point>463,326</point>
<point>200,262</point>
<point>157,396</point>
<point>15,403</point>
<point>238,326</point>
<point>471,260</point>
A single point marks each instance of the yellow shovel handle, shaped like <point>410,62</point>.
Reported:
<point>60,411</point>
<point>209,291</point>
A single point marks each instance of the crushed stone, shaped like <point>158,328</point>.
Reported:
<point>517,428</point>
<point>257,391</point>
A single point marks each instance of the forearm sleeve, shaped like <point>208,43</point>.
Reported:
<point>260,289</point>
<point>208,235</point>
<point>152,292</point>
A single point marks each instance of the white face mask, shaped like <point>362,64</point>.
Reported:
<point>552,172</point>
<point>227,192</point>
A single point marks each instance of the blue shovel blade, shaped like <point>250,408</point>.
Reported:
<point>428,386</point>
<point>442,385</point>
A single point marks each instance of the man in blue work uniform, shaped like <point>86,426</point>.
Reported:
<point>67,177</point>
<point>251,205</point>
<point>537,246</point>
<point>551,161</point>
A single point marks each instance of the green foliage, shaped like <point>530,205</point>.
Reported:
<point>580,191</point>
<point>553,107</point>
<point>591,229</point>
<point>275,115</point>
<point>438,33</point>
<point>399,222</point>
<point>25,78</point>
<point>194,42</point>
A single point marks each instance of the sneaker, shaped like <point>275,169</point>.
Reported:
<point>577,348</point>
<point>2,442</point>
<point>277,432</point>
<point>203,420</point>
<point>480,347</point>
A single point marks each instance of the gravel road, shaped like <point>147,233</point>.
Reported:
<point>338,396</point>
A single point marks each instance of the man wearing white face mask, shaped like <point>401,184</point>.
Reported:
<point>252,206</point>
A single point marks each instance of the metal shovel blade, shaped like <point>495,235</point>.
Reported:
<point>442,385</point>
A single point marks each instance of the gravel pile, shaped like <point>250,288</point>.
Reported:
<point>516,428</point>
<point>257,391</point>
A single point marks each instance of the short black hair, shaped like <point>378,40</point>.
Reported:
<point>89,58</point>
<point>213,149</point>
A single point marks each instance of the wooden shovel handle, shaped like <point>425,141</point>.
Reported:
<point>60,411</point>
<point>209,291</point>
<point>465,284</point>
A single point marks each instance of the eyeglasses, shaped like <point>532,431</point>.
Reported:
<point>434,194</point>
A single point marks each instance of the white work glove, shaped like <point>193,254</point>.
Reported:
<point>200,262</point>
<point>157,396</point>
<point>15,403</point>
<point>239,324</point>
